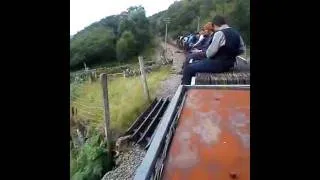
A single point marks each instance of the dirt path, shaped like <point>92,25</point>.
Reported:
<point>170,85</point>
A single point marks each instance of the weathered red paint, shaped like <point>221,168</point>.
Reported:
<point>212,140</point>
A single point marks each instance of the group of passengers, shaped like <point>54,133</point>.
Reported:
<point>212,50</point>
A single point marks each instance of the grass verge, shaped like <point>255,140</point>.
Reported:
<point>126,99</point>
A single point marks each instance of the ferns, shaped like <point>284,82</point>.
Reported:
<point>91,161</point>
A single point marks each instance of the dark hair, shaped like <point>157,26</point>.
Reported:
<point>218,20</point>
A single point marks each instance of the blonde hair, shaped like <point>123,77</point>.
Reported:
<point>208,26</point>
<point>202,32</point>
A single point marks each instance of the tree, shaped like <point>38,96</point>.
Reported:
<point>100,41</point>
<point>240,18</point>
<point>94,46</point>
<point>125,47</point>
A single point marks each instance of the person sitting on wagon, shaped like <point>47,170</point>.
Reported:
<point>200,52</point>
<point>226,45</point>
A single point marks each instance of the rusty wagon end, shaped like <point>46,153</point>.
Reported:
<point>204,134</point>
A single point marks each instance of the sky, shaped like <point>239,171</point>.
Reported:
<point>85,12</point>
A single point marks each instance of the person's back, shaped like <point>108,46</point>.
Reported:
<point>232,46</point>
<point>193,38</point>
<point>227,43</point>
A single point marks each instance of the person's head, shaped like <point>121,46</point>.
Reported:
<point>218,21</point>
<point>208,28</point>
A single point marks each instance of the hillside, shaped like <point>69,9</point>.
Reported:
<point>184,16</point>
<point>119,38</point>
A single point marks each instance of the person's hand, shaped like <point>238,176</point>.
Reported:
<point>195,50</point>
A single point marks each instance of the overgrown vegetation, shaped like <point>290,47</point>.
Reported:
<point>125,95</point>
<point>91,161</point>
<point>127,101</point>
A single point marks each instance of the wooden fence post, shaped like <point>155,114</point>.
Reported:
<point>104,84</point>
<point>143,78</point>
<point>89,74</point>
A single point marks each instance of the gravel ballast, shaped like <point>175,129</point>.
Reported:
<point>128,164</point>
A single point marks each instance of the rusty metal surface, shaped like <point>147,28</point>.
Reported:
<point>212,139</point>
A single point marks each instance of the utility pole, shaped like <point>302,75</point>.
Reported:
<point>198,28</point>
<point>85,66</point>
<point>223,8</point>
<point>165,39</point>
<point>167,21</point>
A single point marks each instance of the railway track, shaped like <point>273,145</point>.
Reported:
<point>142,129</point>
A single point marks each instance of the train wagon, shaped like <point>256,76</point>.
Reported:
<point>203,134</point>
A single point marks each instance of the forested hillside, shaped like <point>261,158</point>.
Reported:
<point>121,37</point>
<point>184,16</point>
<point>117,37</point>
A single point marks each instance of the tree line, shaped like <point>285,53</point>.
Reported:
<point>184,16</point>
<point>121,37</point>
<point>117,37</point>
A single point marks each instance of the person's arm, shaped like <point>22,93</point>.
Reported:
<point>199,41</point>
<point>195,50</point>
<point>217,41</point>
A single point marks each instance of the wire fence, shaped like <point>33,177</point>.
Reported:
<point>88,103</point>
<point>88,108</point>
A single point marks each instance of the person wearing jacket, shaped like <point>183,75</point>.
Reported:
<point>221,54</point>
<point>200,52</point>
<point>200,40</point>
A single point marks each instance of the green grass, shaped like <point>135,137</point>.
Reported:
<point>248,52</point>
<point>126,99</point>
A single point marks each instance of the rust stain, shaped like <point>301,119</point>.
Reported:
<point>212,140</point>
<point>208,127</point>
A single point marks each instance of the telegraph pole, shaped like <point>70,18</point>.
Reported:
<point>167,21</point>
<point>165,39</point>
<point>198,28</point>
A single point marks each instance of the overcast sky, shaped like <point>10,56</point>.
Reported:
<point>85,12</point>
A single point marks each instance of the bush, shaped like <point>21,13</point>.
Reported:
<point>92,47</point>
<point>91,161</point>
